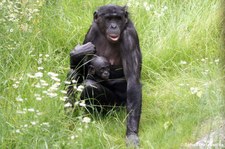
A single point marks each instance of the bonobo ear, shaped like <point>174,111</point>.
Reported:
<point>126,13</point>
<point>91,69</point>
<point>95,15</point>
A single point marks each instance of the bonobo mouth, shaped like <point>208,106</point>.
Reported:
<point>114,37</point>
<point>105,77</point>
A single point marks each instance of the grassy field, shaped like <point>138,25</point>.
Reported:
<point>182,74</point>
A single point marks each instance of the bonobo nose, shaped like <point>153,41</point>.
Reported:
<point>106,73</point>
<point>113,26</point>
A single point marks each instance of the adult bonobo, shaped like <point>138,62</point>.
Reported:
<point>113,36</point>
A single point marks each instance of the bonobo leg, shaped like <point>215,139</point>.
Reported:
<point>96,96</point>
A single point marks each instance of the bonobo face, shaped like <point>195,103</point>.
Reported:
<point>100,67</point>
<point>111,20</point>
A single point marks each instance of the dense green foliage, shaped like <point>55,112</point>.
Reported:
<point>182,81</point>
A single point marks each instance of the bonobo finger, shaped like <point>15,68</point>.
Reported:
<point>77,46</point>
<point>132,141</point>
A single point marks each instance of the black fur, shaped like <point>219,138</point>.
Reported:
<point>113,36</point>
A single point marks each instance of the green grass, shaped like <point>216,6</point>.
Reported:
<point>182,74</point>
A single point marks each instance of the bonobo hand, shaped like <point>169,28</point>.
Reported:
<point>80,50</point>
<point>132,140</point>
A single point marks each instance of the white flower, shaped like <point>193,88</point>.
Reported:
<point>199,94</point>
<point>63,91</point>
<point>74,81</point>
<point>183,62</point>
<point>137,3</point>
<point>43,83</point>
<point>147,8</point>
<point>76,103</point>
<point>40,68</point>
<point>129,4</point>
<point>20,112</point>
<point>38,98</point>
<point>15,85</point>
<point>86,120</point>
<point>39,61</point>
<point>30,76</point>
<point>181,84</point>
<point>63,98</point>
<point>39,113</point>
<point>55,79</point>
<point>38,85</point>
<point>167,125</point>
<point>37,95</point>
<point>80,88</point>
<point>11,30</point>
<point>17,131</point>
<point>68,105</point>
<point>67,82</point>
<point>194,90</point>
<point>38,74</point>
<point>46,55</point>
<point>145,4</point>
<point>45,124</point>
<point>82,104</point>
<point>45,92</point>
<point>73,137</point>
<point>54,87</point>
<point>33,123</point>
<point>217,60</point>
<point>57,84</point>
<point>31,110</point>
<point>52,74</point>
<point>164,8</point>
<point>203,60</point>
<point>52,95</point>
<point>35,10</point>
<point>24,27</point>
<point>151,6</point>
<point>19,99</point>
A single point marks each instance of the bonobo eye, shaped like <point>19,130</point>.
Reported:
<point>108,18</point>
<point>102,70</point>
<point>107,68</point>
<point>118,18</point>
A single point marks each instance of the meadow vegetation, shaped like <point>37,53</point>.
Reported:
<point>182,74</point>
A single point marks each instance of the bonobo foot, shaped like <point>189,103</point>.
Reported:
<point>132,141</point>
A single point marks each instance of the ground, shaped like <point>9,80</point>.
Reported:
<point>214,139</point>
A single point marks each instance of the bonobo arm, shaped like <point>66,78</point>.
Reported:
<point>79,52</point>
<point>131,57</point>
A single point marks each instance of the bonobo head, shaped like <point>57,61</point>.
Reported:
<point>99,67</point>
<point>111,20</point>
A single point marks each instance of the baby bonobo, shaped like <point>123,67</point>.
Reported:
<point>99,69</point>
<point>98,72</point>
